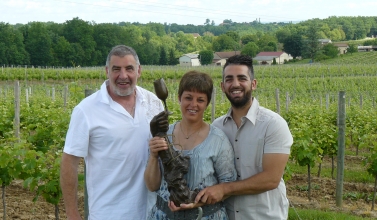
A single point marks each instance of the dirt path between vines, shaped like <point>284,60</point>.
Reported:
<point>20,205</point>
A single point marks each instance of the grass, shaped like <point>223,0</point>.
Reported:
<point>310,214</point>
<point>355,171</point>
<point>352,173</point>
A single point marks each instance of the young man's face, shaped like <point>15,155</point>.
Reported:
<point>123,73</point>
<point>237,85</point>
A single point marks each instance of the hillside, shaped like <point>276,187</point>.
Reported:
<point>355,58</point>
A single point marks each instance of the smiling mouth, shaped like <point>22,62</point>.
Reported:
<point>123,83</point>
<point>236,92</point>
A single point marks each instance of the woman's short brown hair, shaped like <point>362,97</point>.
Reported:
<point>195,81</point>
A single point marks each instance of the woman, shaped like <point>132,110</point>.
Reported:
<point>211,154</point>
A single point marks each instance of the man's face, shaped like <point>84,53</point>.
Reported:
<point>123,73</point>
<point>237,85</point>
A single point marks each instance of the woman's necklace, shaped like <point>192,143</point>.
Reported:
<point>188,136</point>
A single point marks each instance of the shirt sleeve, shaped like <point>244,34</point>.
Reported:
<point>224,161</point>
<point>77,138</point>
<point>278,137</point>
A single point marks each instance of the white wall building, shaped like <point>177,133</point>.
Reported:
<point>189,59</point>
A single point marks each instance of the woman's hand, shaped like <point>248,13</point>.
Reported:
<point>174,208</point>
<point>157,144</point>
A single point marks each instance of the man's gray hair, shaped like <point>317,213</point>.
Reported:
<point>121,51</point>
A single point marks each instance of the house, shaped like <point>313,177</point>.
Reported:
<point>342,47</point>
<point>367,48</point>
<point>268,57</point>
<point>324,41</point>
<point>190,59</point>
<point>219,58</point>
<point>195,35</point>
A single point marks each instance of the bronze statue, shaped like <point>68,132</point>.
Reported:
<point>175,165</point>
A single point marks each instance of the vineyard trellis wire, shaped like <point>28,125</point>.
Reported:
<point>48,96</point>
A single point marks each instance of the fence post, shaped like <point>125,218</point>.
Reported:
<point>88,92</point>
<point>277,101</point>
<point>341,147</point>
<point>287,101</point>
<point>327,101</point>
<point>213,104</point>
<point>17,110</point>
<point>65,95</point>
<point>361,100</point>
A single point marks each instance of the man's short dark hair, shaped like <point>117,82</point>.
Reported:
<point>241,60</point>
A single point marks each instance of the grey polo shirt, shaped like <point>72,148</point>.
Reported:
<point>262,131</point>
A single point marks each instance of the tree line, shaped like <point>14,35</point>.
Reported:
<point>81,43</point>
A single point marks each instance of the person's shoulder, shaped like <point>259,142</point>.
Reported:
<point>89,101</point>
<point>146,93</point>
<point>266,114</point>
<point>218,122</point>
<point>217,131</point>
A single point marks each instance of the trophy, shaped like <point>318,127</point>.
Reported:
<point>175,165</point>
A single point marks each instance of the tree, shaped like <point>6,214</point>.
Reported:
<point>293,45</point>
<point>234,35</point>
<point>62,52</point>
<point>39,44</point>
<point>330,50</point>
<point>206,57</point>
<point>267,43</point>
<point>107,36</point>
<point>172,59</point>
<point>274,61</point>
<point>352,48</point>
<point>250,49</point>
<point>311,46</point>
<point>158,28</point>
<point>224,43</point>
<point>348,29</point>
<point>80,32</point>
<point>12,48</point>
<point>185,42</point>
<point>163,57</point>
<point>227,21</point>
<point>282,34</point>
<point>249,38</point>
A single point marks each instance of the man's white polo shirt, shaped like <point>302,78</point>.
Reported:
<point>115,148</point>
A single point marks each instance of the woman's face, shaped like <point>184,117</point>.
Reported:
<point>193,105</point>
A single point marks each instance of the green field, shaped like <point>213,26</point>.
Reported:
<point>305,95</point>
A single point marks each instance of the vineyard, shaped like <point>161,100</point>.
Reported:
<point>31,140</point>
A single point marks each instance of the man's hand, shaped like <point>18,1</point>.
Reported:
<point>159,125</point>
<point>174,208</point>
<point>211,194</point>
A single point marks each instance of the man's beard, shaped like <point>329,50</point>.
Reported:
<point>239,102</point>
<point>122,92</point>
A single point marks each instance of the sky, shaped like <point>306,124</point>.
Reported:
<point>180,12</point>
